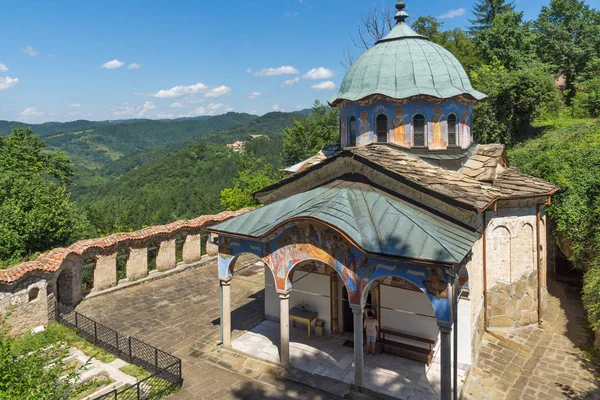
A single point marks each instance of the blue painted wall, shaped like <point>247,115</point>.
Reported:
<point>400,126</point>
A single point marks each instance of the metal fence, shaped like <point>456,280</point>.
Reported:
<point>165,368</point>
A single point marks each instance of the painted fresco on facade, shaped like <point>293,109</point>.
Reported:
<point>400,136</point>
<point>295,243</point>
<point>400,122</point>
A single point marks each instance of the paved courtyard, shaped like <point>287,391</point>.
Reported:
<point>385,374</point>
<point>534,363</point>
<point>180,314</point>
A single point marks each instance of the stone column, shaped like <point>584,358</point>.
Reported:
<point>284,327</point>
<point>446,370</point>
<point>212,249</point>
<point>105,273</point>
<point>359,365</point>
<point>137,263</point>
<point>191,248</point>
<point>166,257</point>
<point>226,313</point>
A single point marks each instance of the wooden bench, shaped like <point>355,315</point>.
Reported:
<point>405,349</point>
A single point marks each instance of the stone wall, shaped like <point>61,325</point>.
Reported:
<point>28,290</point>
<point>25,305</point>
<point>513,305</point>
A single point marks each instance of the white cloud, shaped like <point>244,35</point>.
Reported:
<point>249,70</point>
<point>31,112</point>
<point>277,108</point>
<point>211,109</point>
<point>76,105</point>
<point>113,64</point>
<point>253,112</point>
<point>3,67</point>
<point>8,82</point>
<point>319,73</point>
<point>178,91</point>
<point>283,70</point>
<point>134,66</point>
<point>459,12</point>
<point>290,82</point>
<point>254,95</point>
<point>164,115</point>
<point>137,111</point>
<point>218,91</point>
<point>327,85</point>
<point>30,51</point>
<point>177,105</point>
<point>301,107</point>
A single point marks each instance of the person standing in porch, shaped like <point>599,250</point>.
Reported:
<point>372,327</point>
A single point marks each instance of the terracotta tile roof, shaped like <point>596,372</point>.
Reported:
<point>51,261</point>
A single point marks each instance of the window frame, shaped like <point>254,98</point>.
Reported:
<point>456,132</point>
<point>349,132</point>
<point>387,127</point>
<point>425,131</point>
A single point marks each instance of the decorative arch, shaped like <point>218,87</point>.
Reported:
<point>499,258</point>
<point>381,127</point>
<point>523,257</point>
<point>452,124</point>
<point>352,132</point>
<point>299,241</point>
<point>419,130</point>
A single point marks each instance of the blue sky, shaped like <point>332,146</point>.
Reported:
<point>66,60</point>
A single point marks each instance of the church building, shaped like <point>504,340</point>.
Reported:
<point>432,232</point>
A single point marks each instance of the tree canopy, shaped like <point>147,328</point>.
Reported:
<point>36,212</point>
<point>485,11</point>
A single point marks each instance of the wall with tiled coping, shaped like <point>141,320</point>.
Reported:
<point>28,290</point>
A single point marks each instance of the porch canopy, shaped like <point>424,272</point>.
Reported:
<point>363,232</point>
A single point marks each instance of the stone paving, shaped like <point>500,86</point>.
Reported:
<point>180,314</point>
<point>537,363</point>
<point>386,374</point>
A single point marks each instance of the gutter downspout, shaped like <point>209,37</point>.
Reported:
<point>485,300</point>
<point>539,264</point>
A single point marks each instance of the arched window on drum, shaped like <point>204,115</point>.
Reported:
<point>352,131</point>
<point>382,128</point>
<point>452,130</point>
<point>419,131</point>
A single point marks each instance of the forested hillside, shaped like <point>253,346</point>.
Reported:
<point>180,180</point>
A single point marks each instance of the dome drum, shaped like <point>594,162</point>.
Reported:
<point>416,124</point>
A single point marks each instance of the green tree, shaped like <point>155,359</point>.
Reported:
<point>485,11</point>
<point>307,137</point>
<point>569,157</point>
<point>36,213</point>
<point>516,98</point>
<point>254,174</point>
<point>569,39</point>
<point>509,40</point>
<point>428,26</point>
<point>586,103</point>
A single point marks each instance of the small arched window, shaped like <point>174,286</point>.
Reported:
<point>352,131</point>
<point>419,130</point>
<point>382,128</point>
<point>452,130</point>
<point>33,294</point>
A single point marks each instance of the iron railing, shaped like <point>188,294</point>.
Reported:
<point>165,368</point>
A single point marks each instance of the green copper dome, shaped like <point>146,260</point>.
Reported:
<point>405,64</point>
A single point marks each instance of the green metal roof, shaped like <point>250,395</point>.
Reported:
<point>376,221</point>
<point>405,64</point>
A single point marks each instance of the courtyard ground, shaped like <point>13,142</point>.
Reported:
<point>180,314</point>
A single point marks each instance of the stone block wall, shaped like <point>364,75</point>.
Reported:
<point>26,304</point>
<point>511,305</point>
